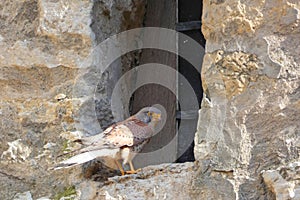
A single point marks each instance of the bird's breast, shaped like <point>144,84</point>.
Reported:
<point>120,136</point>
<point>140,133</point>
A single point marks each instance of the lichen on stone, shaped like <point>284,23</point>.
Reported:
<point>17,151</point>
<point>69,193</point>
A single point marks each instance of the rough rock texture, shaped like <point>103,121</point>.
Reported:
<point>46,47</point>
<point>247,144</point>
<point>284,181</point>
<point>166,181</point>
<point>249,121</point>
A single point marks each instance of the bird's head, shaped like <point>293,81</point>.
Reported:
<point>149,115</point>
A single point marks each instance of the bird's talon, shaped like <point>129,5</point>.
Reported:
<point>133,171</point>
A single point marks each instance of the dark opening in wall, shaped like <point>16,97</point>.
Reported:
<point>189,16</point>
<point>183,16</point>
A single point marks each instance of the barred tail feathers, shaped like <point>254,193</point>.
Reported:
<point>85,157</point>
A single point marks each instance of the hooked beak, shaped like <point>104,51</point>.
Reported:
<point>157,117</point>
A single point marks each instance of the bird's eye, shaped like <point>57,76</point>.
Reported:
<point>149,113</point>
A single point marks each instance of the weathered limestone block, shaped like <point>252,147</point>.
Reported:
<point>248,128</point>
<point>249,118</point>
<point>44,33</point>
<point>49,73</point>
<point>165,181</point>
<point>59,18</point>
<point>284,181</point>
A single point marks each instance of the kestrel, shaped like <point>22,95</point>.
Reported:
<point>121,141</point>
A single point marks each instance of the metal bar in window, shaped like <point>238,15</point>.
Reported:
<point>189,114</point>
<point>188,26</point>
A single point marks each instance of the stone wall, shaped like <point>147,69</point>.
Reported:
<point>247,143</point>
<point>249,122</point>
<point>47,73</point>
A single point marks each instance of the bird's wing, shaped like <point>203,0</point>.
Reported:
<point>91,143</point>
<point>93,147</point>
<point>128,133</point>
<point>95,138</point>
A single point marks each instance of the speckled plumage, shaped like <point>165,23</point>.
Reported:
<point>121,141</point>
